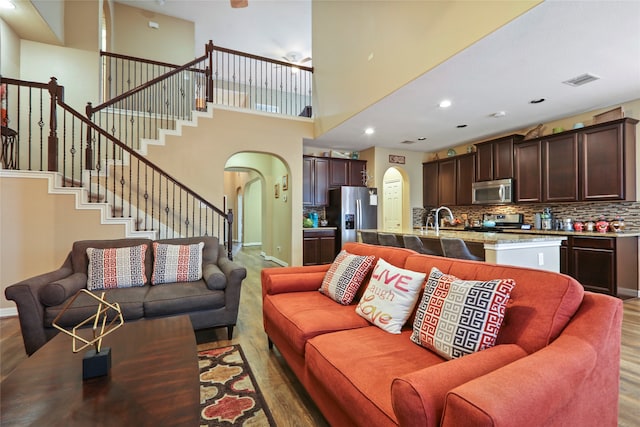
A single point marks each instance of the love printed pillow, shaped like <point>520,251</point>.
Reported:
<point>390,296</point>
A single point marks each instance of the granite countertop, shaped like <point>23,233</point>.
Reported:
<point>625,233</point>
<point>318,228</point>
<point>492,238</point>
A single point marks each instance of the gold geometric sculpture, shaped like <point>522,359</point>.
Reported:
<point>99,318</point>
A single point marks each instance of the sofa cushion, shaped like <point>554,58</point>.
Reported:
<point>540,306</point>
<point>183,298</point>
<point>129,299</point>
<point>80,260</point>
<point>176,263</point>
<point>116,267</point>
<point>344,277</point>
<point>390,296</point>
<point>364,388</point>
<point>458,317</point>
<point>303,315</point>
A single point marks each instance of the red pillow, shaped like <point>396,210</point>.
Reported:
<point>344,277</point>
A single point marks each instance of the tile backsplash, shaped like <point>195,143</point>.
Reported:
<point>630,211</point>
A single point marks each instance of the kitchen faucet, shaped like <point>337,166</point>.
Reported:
<point>437,227</point>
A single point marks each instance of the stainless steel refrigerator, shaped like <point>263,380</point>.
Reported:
<point>351,209</point>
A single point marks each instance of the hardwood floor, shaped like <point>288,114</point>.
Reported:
<point>287,400</point>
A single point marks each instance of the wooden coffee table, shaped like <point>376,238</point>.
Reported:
<point>153,381</point>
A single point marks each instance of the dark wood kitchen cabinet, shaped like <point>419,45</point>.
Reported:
<point>318,246</point>
<point>346,172</point>
<point>448,181</point>
<point>608,157</point>
<point>602,264</point>
<point>465,176</point>
<point>315,181</point>
<point>589,164</point>
<point>494,159</point>
<point>528,171</point>
<point>560,168</point>
<point>430,185</point>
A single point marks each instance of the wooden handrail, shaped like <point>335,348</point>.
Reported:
<point>262,58</point>
<point>139,157</point>
<point>90,109</point>
<point>136,59</point>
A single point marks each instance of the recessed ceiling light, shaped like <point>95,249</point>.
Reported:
<point>461,126</point>
<point>6,4</point>
<point>369,131</point>
<point>408,141</point>
<point>536,101</point>
<point>445,103</point>
<point>499,114</point>
<point>422,138</point>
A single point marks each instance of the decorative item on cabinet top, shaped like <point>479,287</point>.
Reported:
<point>535,132</point>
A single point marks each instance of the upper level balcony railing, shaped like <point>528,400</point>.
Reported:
<point>142,96</point>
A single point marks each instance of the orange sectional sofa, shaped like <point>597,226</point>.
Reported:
<point>555,363</point>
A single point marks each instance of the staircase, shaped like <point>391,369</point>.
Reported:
<point>101,156</point>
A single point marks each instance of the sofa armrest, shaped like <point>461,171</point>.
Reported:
<point>574,380</point>
<point>214,277</point>
<point>235,274</point>
<point>418,398</point>
<point>280,280</point>
<point>529,391</point>
<point>58,291</point>
<point>30,310</point>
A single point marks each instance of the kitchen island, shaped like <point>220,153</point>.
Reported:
<point>523,250</point>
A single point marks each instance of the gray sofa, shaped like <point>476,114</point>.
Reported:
<point>210,302</point>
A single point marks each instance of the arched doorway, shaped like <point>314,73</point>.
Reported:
<point>266,212</point>
<point>393,199</point>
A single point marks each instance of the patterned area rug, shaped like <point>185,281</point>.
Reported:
<point>229,394</point>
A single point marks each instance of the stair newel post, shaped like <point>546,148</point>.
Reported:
<point>52,149</point>
<point>88,163</point>
<point>209,71</point>
<point>229,237</point>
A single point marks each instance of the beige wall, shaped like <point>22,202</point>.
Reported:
<point>204,151</point>
<point>38,229</point>
<point>368,49</point>
<point>173,42</point>
<point>82,25</point>
<point>9,51</point>
<point>76,69</point>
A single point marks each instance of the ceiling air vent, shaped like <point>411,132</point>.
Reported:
<point>582,80</point>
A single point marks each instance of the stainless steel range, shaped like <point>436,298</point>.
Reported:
<point>501,221</point>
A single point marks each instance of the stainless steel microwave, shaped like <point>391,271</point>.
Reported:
<point>496,192</point>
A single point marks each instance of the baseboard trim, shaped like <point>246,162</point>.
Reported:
<point>274,259</point>
<point>634,293</point>
<point>245,244</point>
<point>8,312</point>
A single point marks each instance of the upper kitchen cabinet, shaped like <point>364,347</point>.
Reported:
<point>494,159</point>
<point>588,164</point>
<point>465,175</point>
<point>448,181</point>
<point>560,168</point>
<point>322,173</point>
<point>430,185</point>
<point>346,172</point>
<point>608,161</point>
<point>528,171</point>
<point>315,181</point>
